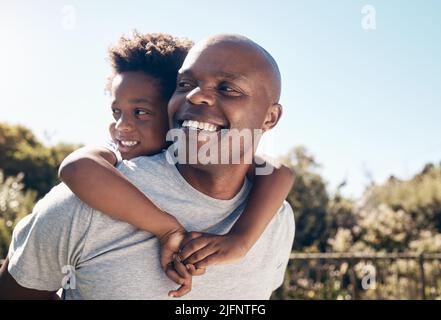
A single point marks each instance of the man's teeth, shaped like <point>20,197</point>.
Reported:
<point>199,125</point>
<point>129,143</point>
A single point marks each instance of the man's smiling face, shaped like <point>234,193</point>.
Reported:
<point>222,85</point>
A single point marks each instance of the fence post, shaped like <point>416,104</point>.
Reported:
<point>423,277</point>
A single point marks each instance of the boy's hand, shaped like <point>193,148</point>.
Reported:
<point>203,249</point>
<point>172,266</point>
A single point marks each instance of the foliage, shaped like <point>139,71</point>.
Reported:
<point>14,205</point>
<point>397,216</point>
<point>308,199</point>
<point>419,196</point>
<point>22,152</point>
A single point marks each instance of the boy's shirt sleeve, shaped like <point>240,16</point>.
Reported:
<point>47,244</point>
<point>111,145</point>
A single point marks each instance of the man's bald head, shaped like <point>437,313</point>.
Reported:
<point>267,64</point>
<point>232,83</point>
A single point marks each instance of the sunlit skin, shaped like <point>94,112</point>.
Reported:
<point>231,83</point>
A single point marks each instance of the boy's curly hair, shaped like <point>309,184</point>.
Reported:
<point>159,55</point>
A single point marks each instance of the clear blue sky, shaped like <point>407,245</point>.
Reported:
<point>359,100</point>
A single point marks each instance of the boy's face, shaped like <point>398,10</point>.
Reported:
<point>140,114</point>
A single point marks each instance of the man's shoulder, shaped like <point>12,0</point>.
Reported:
<point>57,208</point>
<point>48,239</point>
<point>286,213</point>
<point>58,197</point>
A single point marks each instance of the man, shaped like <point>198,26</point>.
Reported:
<point>226,80</point>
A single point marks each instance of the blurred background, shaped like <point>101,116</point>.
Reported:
<point>362,103</point>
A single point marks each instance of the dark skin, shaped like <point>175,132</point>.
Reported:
<point>233,81</point>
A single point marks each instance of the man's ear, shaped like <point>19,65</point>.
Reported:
<point>272,116</point>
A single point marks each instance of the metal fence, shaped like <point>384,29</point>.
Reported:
<point>362,276</point>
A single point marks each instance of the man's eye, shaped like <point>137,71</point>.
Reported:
<point>229,90</point>
<point>226,89</point>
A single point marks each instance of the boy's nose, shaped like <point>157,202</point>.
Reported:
<point>200,96</point>
<point>124,123</point>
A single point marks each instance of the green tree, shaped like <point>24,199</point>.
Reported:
<point>419,196</point>
<point>309,200</point>
<point>22,152</point>
<point>397,216</point>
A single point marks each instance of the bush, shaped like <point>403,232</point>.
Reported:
<point>15,203</point>
<point>22,152</point>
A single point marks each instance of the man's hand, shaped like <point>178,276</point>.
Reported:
<point>202,249</point>
<point>172,265</point>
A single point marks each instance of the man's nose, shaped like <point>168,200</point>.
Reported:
<point>200,96</point>
<point>124,123</point>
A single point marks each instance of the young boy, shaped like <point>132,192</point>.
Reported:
<point>143,80</point>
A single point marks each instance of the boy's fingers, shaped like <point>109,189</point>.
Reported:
<point>181,269</point>
<point>186,284</point>
<point>200,255</point>
<point>174,276</point>
<point>192,247</point>
<point>182,290</point>
<point>208,261</point>
<point>195,272</point>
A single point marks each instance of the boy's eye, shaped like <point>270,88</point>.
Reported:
<point>142,112</point>
<point>116,113</point>
<point>183,84</point>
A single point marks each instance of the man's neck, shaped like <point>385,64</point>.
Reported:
<point>222,182</point>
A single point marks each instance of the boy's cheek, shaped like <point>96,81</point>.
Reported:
<point>112,130</point>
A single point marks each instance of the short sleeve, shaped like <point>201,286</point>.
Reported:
<point>285,235</point>
<point>111,145</point>
<point>49,241</point>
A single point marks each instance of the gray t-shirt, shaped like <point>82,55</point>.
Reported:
<point>108,259</point>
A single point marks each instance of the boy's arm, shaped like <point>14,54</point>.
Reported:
<point>267,195</point>
<point>90,173</point>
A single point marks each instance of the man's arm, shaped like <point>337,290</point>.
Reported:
<point>11,290</point>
